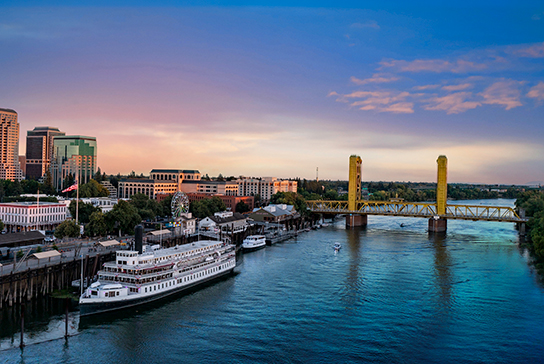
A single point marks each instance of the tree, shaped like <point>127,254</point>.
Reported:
<point>85,211</point>
<point>148,209</point>
<point>207,207</point>
<point>166,206</point>
<point>123,217</point>
<point>1,225</point>
<point>47,185</point>
<point>241,207</point>
<point>98,175</point>
<point>93,189</point>
<point>67,228</point>
<point>97,224</point>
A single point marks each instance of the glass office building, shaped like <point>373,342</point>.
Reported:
<point>76,155</point>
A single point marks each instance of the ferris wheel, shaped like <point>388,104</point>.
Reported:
<point>180,204</point>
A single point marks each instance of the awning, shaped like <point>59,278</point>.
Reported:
<point>47,254</point>
<point>109,243</point>
<point>159,232</point>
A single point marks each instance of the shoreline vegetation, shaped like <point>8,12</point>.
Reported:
<point>532,202</point>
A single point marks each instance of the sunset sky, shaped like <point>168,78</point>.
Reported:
<point>278,89</point>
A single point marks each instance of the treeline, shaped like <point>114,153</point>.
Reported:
<point>409,191</point>
<point>533,204</point>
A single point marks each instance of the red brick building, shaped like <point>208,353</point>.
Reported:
<point>230,201</point>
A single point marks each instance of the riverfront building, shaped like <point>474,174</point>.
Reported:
<point>75,155</point>
<point>39,150</point>
<point>25,216</point>
<point>9,146</point>
<point>274,213</point>
<point>264,187</point>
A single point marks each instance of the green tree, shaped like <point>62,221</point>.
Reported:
<point>93,189</point>
<point>241,207</point>
<point>98,175</point>
<point>207,207</point>
<point>67,228</point>
<point>148,209</point>
<point>166,206</point>
<point>85,211</point>
<point>97,224</point>
<point>123,217</point>
<point>47,185</point>
<point>1,225</point>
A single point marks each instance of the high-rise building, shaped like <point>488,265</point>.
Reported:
<point>75,155</point>
<point>9,146</point>
<point>39,150</point>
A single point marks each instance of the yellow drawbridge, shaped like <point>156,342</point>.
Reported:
<point>438,212</point>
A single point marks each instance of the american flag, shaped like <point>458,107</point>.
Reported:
<point>71,188</point>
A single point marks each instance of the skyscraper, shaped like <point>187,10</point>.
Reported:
<point>39,150</point>
<point>9,146</point>
<point>75,155</point>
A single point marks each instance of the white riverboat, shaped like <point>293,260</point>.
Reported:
<point>253,242</point>
<point>134,278</point>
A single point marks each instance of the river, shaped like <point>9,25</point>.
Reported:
<point>392,294</point>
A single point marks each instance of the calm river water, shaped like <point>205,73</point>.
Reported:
<point>391,295</point>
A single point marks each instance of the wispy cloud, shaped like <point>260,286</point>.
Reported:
<point>376,78</point>
<point>537,92</point>
<point>433,65</point>
<point>534,51</point>
<point>425,87</point>
<point>505,93</point>
<point>367,24</point>
<point>460,87</point>
<point>380,101</point>
<point>453,104</point>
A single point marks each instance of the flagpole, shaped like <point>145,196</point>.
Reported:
<point>77,201</point>
<point>38,209</point>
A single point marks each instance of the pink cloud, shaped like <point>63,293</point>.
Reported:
<point>380,101</point>
<point>461,87</point>
<point>505,93</point>
<point>537,92</point>
<point>453,104</point>
<point>433,65</point>
<point>534,51</point>
<point>425,87</point>
<point>376,78</point>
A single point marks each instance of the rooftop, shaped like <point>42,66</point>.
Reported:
<point>174,171</point>
<point>8,110</point>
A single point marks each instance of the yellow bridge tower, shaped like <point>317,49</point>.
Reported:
<point>437,223</point>
<point>354,192</point>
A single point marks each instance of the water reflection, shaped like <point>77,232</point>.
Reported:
<point>442,271</point>
<point>44,321</point>
<point>354,283</point>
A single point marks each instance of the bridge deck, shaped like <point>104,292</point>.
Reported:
<point>418,209</point>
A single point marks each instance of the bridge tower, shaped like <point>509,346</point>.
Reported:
<point>354,192</point>
<point>438,224</point>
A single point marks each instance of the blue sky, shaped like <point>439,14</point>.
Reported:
<point>246,88</point>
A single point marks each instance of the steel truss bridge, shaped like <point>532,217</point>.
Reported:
<point>418,209</point>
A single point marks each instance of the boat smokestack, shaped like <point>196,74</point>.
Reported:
<point>138,238</point>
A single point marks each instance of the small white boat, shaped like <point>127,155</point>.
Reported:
<point>253,242</point>
<point>337,246</point>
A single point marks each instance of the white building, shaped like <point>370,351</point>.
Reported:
<point>25,216</point>
<point>105,203</point>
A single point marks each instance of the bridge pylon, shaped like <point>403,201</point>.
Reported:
<point>354,192</point>
<point>438,224</point>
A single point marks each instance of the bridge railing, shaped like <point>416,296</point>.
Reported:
<point>479,212</point>
<point>418,209</point>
